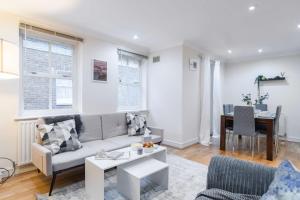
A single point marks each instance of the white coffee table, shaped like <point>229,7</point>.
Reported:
<point>94,169</point>
<point>130,176</point>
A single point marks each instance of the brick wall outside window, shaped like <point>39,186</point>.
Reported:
<point>44,64</point>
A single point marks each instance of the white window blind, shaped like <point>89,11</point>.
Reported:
<point>130,82</point>
<point>47,74</point>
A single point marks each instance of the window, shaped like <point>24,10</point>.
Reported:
<point>130,82</point>
<point>47,74</point>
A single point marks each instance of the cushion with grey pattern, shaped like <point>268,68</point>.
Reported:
<point>136,124</point>
<point>60,137</point>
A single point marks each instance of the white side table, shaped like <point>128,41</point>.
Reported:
<point>130,176</point>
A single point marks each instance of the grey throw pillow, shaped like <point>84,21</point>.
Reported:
<point>286,183</point>
<point>60,137</point>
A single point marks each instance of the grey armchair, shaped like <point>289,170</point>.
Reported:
<point>233,179</point>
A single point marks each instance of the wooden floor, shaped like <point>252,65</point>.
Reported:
<point>24,186</point>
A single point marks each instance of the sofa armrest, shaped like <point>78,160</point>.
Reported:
<point>239,176</point>
<point>42,158</point>
<point>157,131</point>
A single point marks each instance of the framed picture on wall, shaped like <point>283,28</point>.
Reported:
<point>99,71</point>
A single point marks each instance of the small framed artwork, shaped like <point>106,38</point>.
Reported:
<point>99,71</point>
<point>194,64</point>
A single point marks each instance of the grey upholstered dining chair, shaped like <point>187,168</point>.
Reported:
<point>244,124</point>
<point>227,109</point>
<point>262,107</point>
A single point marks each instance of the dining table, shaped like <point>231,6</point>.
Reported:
<point>267,120</point>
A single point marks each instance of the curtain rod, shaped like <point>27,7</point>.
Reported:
<point>50,32</point>
<point>129,52</point>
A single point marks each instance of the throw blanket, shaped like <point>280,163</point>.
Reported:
<point>217,194</point>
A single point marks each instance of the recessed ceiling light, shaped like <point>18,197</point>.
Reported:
<point>252,8</point>
<point>260,50</point>
<point>298,26</point>
<point>229,51</point>
<point>135,37</point>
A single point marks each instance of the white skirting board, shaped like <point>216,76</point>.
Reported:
<point>180,145</point>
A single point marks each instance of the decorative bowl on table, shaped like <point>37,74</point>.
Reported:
<point>148,147</point>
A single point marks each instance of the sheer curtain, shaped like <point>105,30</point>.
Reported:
<point>205,124</point>
<point>217,99</point>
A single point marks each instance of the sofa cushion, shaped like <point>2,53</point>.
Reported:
<point>59,137</point>
<point>113,125</point>
<point>75,158</point>
<point>136,124</point>
<point>125,140</point>
<point>91,128</point>
<point>55,119</point>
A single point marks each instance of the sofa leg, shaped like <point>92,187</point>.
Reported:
<point>38,171</point>
<point>52,183</point>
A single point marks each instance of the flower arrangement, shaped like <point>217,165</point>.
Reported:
<point>247,99</point>
<point>262,98</point>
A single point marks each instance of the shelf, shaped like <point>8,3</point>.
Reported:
<point>273,79</point>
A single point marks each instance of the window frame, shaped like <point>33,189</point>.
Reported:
<point>140,105</point>
<point>74,78</point>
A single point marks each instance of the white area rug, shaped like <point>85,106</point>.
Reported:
<point>186,180</point>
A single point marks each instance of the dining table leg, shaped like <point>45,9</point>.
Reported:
<point>223,134</point>
<point>270,140</point>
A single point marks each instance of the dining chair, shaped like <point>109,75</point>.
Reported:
<point>261,107</point>
<point>244,124</point>
<point>227,109</point>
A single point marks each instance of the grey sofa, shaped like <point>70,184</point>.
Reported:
<point>233,179</point>
<point>96,132</point>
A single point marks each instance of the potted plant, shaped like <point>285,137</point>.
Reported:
<point>262,98</point>
<point>259,78</point>
<point>247,99</point>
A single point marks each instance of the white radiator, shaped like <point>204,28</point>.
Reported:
<point>26,136</point>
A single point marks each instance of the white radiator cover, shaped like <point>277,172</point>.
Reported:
<point>26,136</point>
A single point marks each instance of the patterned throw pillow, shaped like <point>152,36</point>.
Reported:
<point>60,137</point>
<point>286,183</point>
<point>137,124</point>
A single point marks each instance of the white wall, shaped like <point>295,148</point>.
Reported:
<point>9,90</point>
<point>165,93</point>
<point>99,97</point>
<point>93,97</point>
<point>191,98</point>
<point>239,78</point>
<point>173,97</point>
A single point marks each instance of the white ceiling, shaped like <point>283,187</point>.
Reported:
<point>211,25</point>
